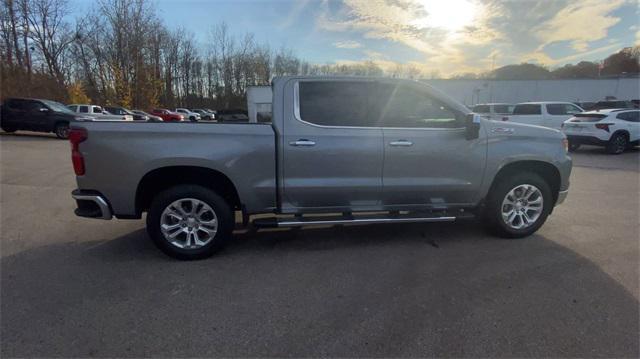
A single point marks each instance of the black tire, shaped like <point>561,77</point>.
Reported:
<point>573,146</point>
<point>617,143</point>
<point>221,208</point>
<point>62,130</point>
<point>493,211</point>
<point>8,129</point>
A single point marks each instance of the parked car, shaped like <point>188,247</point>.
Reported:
<point>166,115</point>
<point>493,111</point>
<point>232,115</point>
<point>37,115</point>
<point>204,114</point>
<point>150,117</point>
<point>616,130</point>
<point>188,114</point>
<point>116,110</point>
<point>546,114</point>
<point>340,153</point>
<point>98,113</point>
<point>612,104</point>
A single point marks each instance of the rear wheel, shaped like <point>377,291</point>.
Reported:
<point>189,222</point>
<point>518,205</point>
<point>62,130</point>
<point>617,144</point>
<point>8,129</point>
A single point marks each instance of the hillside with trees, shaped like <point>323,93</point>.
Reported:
<point>121,53</point>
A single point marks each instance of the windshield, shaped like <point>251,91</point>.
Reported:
<point>56,106</point>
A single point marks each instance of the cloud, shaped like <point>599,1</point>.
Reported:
<point>348,44</point>
<point>491,33</point>
<point>581,22</point>
<point>547,60</point>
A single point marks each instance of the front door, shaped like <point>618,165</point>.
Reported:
<point>428,162</point>
<point>332,158</point>
<point>557,113</point>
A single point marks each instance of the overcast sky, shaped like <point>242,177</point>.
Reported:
<point>450,36</point>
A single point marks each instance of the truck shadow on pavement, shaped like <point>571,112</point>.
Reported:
<point>381,290</point>
<point>28,136</point>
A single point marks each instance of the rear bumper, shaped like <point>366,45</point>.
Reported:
<point>91,205</point>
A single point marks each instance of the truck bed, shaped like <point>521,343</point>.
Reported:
<point>118,155</point>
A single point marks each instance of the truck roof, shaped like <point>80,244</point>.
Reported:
<point>544,103</point>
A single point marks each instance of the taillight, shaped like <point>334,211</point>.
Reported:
<point>76,136</point>
<point>603,126</point>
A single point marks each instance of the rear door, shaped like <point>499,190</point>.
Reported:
<point>28,114</point>
<point>332,151</point>
<point>428,162</point>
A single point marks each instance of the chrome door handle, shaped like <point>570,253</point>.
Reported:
<point>401,143</point>
<point>302,143</point>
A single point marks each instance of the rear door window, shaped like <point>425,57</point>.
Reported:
<point>562,109</point>
<point>502,109</point>
<point>633,116</point>
<point>83,109</point>
<point>335,103</point>
<point>17,105</point>
<point>527,109</point>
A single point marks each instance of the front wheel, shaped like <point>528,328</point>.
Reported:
<point>62,131</point>
<point>518,205</point>
<point>189,222</point>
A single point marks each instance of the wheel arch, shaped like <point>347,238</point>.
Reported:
<point>162,178</point>
<point>549,172</point>
<point>621,131</point>
<point>59,121</point>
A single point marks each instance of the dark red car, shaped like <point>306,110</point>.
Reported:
<point>166,115</point>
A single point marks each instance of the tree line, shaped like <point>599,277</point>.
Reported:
<point>121,53</point>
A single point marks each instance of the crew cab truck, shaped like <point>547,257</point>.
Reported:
<point>339,151</point>
<point>37,115</point>
<point>547,114</point>
<point>98,113</point>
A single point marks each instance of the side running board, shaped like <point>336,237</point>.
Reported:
<point>300,221</point>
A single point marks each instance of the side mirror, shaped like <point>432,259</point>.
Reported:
<point>472,126</point>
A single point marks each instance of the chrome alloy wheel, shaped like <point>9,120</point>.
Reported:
<point>189,223</point>
<point>522,206</point>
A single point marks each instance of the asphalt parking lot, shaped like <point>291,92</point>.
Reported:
<point>79,287</point>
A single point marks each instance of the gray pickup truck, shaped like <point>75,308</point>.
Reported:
<point>338,151</point>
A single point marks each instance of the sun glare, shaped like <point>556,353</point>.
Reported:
<point>450,15</point>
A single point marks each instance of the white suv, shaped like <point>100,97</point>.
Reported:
<point>188,114</point>
<point>616,129</point>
